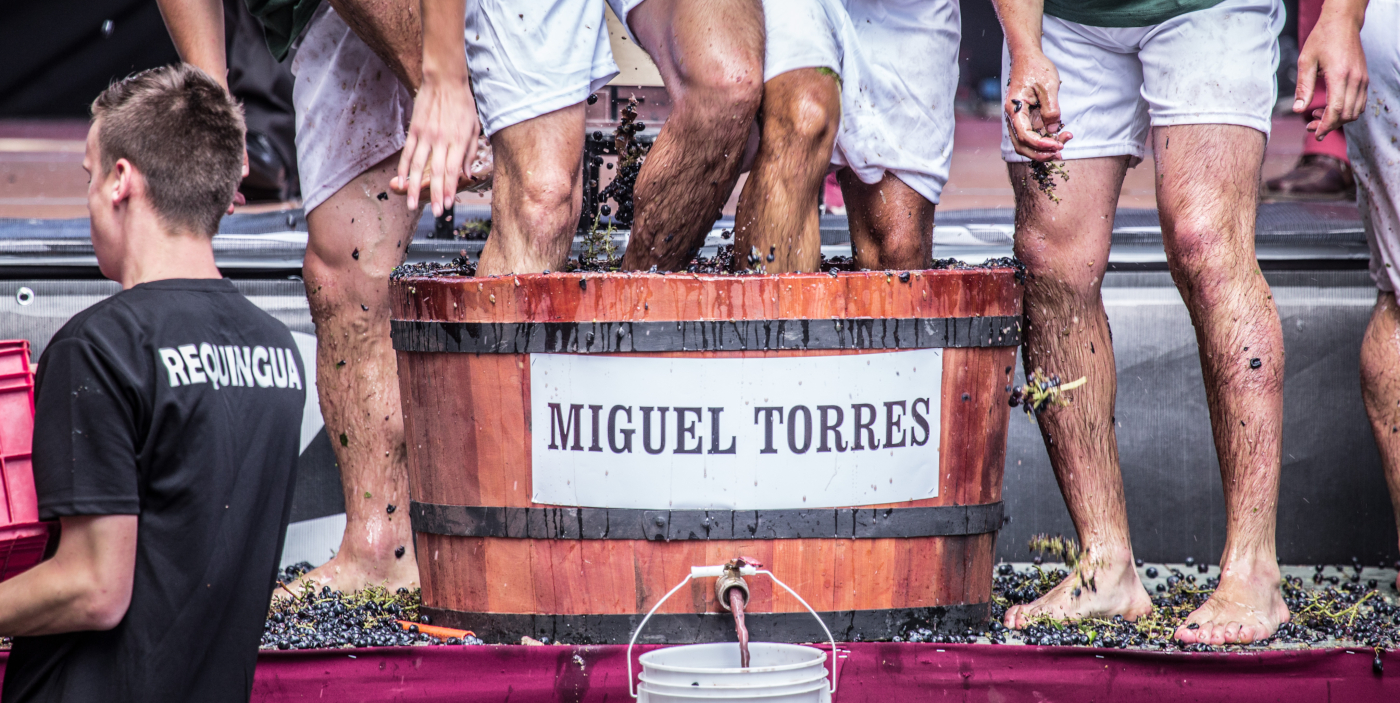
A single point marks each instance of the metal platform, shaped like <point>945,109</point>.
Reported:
<point>1289,235</point>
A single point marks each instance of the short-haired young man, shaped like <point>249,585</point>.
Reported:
<point>166,429</point>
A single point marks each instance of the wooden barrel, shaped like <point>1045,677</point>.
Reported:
<point>576,442</point>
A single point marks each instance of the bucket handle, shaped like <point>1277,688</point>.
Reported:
<point>715,572</point>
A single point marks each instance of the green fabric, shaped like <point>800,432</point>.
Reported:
<point>282,21</point>
<point>1123,13</point>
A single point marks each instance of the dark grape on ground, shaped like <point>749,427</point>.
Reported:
<point>329,619</point>
<point>1323,615</point>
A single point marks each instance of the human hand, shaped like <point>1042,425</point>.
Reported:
<point>476,178</point>
<point>1033,107</point>
<point>441,136</point>
<point>1333,50</point>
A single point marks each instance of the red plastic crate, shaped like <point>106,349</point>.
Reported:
<point>23,539</point>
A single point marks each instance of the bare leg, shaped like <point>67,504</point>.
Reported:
<point>778,208</point>
<point>1380,386</point>
<point>538,194</point>
<point>392,29</point>
<point>1207,192</point>
<point>891,224</point>
<point>1065,248</point>
<point>710,54</point>
<point>355,240</point>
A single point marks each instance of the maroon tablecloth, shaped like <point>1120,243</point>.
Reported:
<point>875,672</point>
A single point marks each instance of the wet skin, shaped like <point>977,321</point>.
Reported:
<point>1380,388</point>
<point>891,224</point>
<point>355,240</point>
<point>537,193</point>
<point>778,206</point>
<point>710,55</point>
<point>1207,194</point>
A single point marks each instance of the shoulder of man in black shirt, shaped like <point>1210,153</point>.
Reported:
<point>166,428</point>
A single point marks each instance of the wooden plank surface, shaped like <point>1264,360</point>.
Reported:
<point>467,425</point>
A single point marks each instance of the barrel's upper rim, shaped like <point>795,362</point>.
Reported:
<point>971,269</point>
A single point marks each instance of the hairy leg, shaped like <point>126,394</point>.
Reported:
<point>710,54</point>
<point>891,224</point>
<point>778,208</point>
<point>1207,193</point>
<point>392,29</point>
<point>355,240</point>
<point>537,195</point>
<point>1065,248</point>
<point>1380,387</point>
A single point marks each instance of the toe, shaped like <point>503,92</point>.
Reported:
<point>1012,614</point>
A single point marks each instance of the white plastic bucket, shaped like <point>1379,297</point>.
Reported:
<point>731,693</point>
<point>717,665</point>
<point>815,693</point>
<point>777,673</point>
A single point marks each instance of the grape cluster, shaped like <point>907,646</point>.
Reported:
<point>460,266</point>
<point>631,153</point>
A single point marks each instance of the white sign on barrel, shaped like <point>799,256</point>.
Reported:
<point>735,434</point>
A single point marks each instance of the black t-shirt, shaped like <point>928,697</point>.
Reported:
<point>178,401</point>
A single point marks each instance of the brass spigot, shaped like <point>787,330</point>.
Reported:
<point>730,579</point>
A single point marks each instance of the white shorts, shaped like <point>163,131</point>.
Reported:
<point>528,58</point>
<point>804,34</point>
<point>1372,147</point>
<point>896,114</point>
<point>621,8</point>
<point>351,111</point>
<point>1212,66</point>
<point>532,57</point>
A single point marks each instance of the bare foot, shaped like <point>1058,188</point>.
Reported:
<point>1091,591</point>
<point>1246,606</point>
<point>376,550</point>
<point>346,575</point>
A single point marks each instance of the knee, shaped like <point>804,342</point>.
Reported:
<point>539,202</point>
<point>718,88</point>
<point>1057,276</point>
<point>1195,247</point>
<point>342,296</point>
<point>1380,353</point>
<point>807,117</point>
<point>541,192</point>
